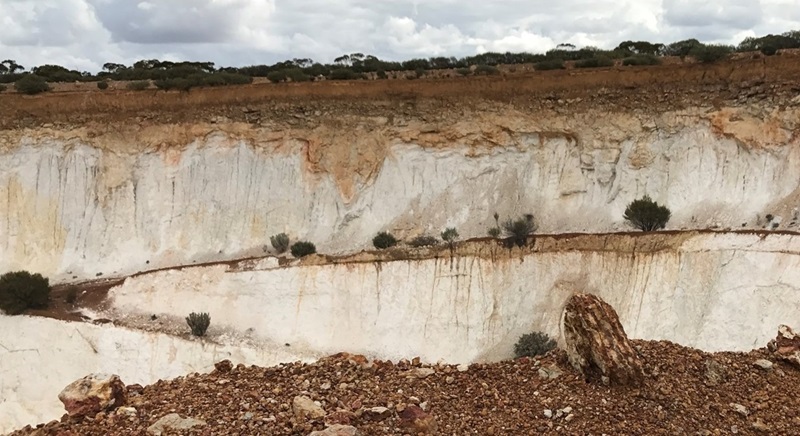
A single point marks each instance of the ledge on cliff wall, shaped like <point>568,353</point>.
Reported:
<point>474,303</point>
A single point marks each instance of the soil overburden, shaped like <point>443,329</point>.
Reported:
<point>654,88</point>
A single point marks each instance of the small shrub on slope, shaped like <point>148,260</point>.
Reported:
<point>517,231</point>
<point>303,248</point>
<point>384,240</point>
<point>533,344</point>
<point>646,215</point>
<point>102,85</point>
<point>280,242</point>
<point>31,84</point>
<point>595,62</point>
<point>450,235</point>
<point>21,290</point>
<point>198,322</point>
<point>553,64</point>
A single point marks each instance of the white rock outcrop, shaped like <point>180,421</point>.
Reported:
<point>713,291</point>
<point>68,208</point>
<point>40,356</point>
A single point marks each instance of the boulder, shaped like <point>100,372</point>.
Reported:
<point>173,422</point>
<point>337,430</point>
<point>93,394</point>
<point>786,346</point>
<point>596,343</point>
<point>305,408</point>
<point>416,420</point>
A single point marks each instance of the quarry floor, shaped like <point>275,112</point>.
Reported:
<point>686,392</point>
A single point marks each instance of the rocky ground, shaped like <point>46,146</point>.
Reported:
<point>685,392</point>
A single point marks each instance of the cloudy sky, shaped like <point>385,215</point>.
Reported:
<point>84,34</point>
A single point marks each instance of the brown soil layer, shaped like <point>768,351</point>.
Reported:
<point>686,392</point>
<point>654,88</point>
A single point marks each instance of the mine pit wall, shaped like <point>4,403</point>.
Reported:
<point>77,204</point>
<point>41,356</point>
<point>713,291</point>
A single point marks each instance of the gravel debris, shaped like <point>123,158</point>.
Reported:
<point>505,398</point>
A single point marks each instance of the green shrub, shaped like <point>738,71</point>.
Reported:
<point>280,242</point>
<point>553,64</point>
<point>769,50</point>
<point>517,231</point>
<point>381,74</point>
<point>180,84</point>
<point>595,62</point>
<point>31,84</point>
<point>646,215</point>
<point>198,322</point>
<point>297,75</point>
<point>303,248</point>
<point>230,78</point>
<point>424,241</point>
<point>708,54</point>
<point>487,70</point>
<point>641,60</point>
<point>343,74</point>
<point>533,344</point>
<point>464,71</point>
<point>21,290</point>
<point>494,232</point>
<point>420,73</point>
<point>214,80</point>
<point>450,235</point>
<point>138,85</point>
<point>72,295</point>
<point>102,85</point>
<point>384,240</point>
<point>277,76</point>
<point>3,87</point>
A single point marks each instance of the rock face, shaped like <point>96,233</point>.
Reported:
<point>103,205</point>
<point>596,343</point>
<point>786,346</point>
<point>93,394</point>
<point>173,422</point>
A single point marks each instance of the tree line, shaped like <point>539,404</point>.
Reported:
<point>183,75</point>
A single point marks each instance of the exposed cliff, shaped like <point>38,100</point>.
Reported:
<point>40,356</point>
<point>118,197</point>
<point>712,291</point>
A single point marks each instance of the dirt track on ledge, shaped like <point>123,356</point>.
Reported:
<point>652,88</point>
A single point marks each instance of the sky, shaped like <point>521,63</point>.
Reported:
<point>85,34</point>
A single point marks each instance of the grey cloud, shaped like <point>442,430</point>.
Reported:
<point>82,33</point>
<point>48,23</point>
<point>170,21</point>
<point>734,14</point>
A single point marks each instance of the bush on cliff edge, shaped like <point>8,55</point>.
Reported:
<point>384,240</point>
<point>303,248</point>
<point>21,290</point>
<point>647,215</point>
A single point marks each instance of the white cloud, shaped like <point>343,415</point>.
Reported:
<point>84,34</point>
